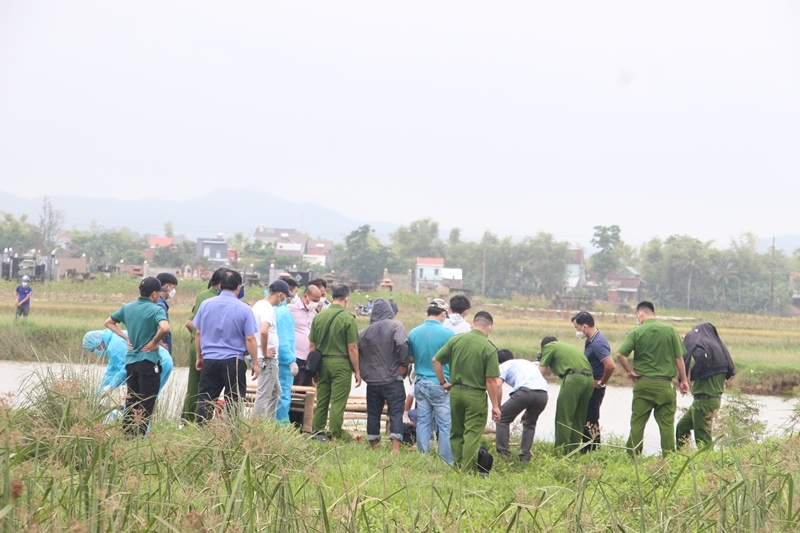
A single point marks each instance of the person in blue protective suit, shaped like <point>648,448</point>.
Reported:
<point>105,342</point>
<point>287,367</point>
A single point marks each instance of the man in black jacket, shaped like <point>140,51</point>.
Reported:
<point>711,365</point>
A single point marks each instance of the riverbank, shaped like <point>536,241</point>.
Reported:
<point>63,469</point>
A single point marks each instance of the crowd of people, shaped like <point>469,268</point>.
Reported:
<point>456,372</point>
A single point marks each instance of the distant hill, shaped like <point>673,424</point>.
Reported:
<point>224,210</point>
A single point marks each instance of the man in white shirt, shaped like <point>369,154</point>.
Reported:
<point>529,395</point>
<point>457,319</point>
<point>269,389</point>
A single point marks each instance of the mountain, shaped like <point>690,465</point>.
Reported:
<point>225,210</point>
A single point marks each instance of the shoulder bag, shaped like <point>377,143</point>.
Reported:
<point>314,359</point>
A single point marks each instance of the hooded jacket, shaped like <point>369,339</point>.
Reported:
<point>707,352</point>
<point>382,346</point>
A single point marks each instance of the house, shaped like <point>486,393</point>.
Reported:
<point>576,270</point>
<point>215,249</point>
<point>429,273</point>
<point>272,236</point>
<point>318,252</point>
<point>159,242</point>
<point>624,286</point>
<point>294,249</point>
<point>452,278</point>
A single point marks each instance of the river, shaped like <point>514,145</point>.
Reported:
<point>614,416</point>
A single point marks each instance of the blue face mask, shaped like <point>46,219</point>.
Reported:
<point>240,295</point>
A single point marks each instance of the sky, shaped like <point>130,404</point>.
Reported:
<point>515,117</point>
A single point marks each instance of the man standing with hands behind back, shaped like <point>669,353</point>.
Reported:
<point>658,356</point>
<point>474,371</point>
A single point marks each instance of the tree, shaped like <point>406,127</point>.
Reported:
<point>168,229</point>
<point>419,239</point>
<point>50,221</point>
<point>17,234</point>
<point>364,257</point>
<point>723,272</point>
<point>690,259</point>
<point>607,260</point>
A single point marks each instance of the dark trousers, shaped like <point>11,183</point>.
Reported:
<point>217,374</point>
<point>190,402</point>
<point>591,431</point>
<point>302,379</point>
<point>143,381</point>
<point>394,396</point>
<point>533,403</point>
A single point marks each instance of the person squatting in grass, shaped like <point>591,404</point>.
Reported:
<point>710,364</point>
<point>147,324</point>
<point>657,357</point>
<point>529,394</point>
<point>383,360</point>
<point>598,352</point>
<point>433,402</point>
<point>339,362</point>
<point>474,371</point>
<point>568,362</point>
<point>268,392</point>
<point>225,331</point>
<point>189,413</point>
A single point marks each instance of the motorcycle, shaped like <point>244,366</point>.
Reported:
<point>364,309</point>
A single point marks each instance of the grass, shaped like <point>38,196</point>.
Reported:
<point>63,469</point>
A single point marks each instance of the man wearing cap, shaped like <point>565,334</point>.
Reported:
<point>474,371</point>
<point>457,317</point>
<point>225,331</point>
<point>568,362</point>
<point>147,325</point>
<point>269,390</point>
<point>192,387</point>
<point>433,403</point>
<point>383,359</point>
<point>658,357</point>
<point>23,297</point>
<point>339,349</point>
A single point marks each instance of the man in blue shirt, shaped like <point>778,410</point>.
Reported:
<point>433,403</point>
<point>147,325</point>
<point>23,302</point>
<point>225,330</point>
<point>598,352</point>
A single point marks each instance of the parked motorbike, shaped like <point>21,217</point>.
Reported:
<point>364,309</point>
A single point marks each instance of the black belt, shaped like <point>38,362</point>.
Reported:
<point>648,378</point>
<point>461,386</point>
<point>336,357</point>
<point>581,372</point>
<point>526,389</point>
<point>705,397</point>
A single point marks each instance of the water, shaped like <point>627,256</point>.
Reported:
<point>614,415</point>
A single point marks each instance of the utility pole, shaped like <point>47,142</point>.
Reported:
<point>772,277</point>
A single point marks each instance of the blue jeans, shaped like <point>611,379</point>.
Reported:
<point>433,404</point>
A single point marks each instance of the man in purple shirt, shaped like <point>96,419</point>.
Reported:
<point>225,330</point>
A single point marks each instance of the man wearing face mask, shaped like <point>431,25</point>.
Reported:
<point>147,325</point>
<point>23,299</point>
<point>169,284</point>
<point>269,389</point>
<point>287,368</point>
<point>598,352</point>
<point>303,310</point>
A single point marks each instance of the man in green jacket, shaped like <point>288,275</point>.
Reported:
<point>474,371</point>
<point>568,362</point>
<point>657,358</point>
<point>339,361</point>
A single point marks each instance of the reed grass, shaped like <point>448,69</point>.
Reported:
<point>63,469</point>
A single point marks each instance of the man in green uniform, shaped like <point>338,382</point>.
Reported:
<point>658,353</point>
<point>339,361</point>
<point>570,364</point>
<point>193,387</point>
<point>710,364</point>
<point>474,371</point>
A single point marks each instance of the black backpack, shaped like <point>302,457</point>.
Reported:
<point>485,460</point>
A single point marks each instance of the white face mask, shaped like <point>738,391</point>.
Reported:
<point>172,294</point>
<point>24,283</point>
<point>581,335</point>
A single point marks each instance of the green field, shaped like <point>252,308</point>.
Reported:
<point>63,469</point>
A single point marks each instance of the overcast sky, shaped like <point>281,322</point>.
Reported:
<point>516,117</point>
